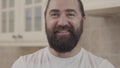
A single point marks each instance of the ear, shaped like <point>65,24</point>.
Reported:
<point>84,18</point>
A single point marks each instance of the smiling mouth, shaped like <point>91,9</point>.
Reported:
<point>63,33</point>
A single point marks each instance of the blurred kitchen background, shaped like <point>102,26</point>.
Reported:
<point>22,29</point>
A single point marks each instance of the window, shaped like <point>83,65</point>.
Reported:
<point>11,21</point>
<point>28,2</point>
<point>7,16</point>
<point>11,3</point>
<point>4,22</point>
<point>4,4</point>
<point>37,1</point>
<point>28,21</point>
<point>38,18</point>
<point>33,15</point>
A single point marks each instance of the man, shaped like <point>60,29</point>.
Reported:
<point>64,26</point>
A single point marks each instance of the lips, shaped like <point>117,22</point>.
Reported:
<point>63,30</point>
<point>63,33</point>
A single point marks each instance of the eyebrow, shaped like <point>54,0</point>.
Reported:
<point>71,10</point>
<point>67,10</point>
<point>53,10</point>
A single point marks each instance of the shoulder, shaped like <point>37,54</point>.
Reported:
<point>33,58</point>
<point>106,64</point>
<point>97,62</point>
<point>19,63</point>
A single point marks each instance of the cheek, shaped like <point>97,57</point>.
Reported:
<point>51,24</point>
<point>76,24</point>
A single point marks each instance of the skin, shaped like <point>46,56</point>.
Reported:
<point>64,12</point>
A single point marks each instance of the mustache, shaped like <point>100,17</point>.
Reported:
<point>63,28</point>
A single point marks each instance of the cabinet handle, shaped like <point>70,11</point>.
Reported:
<point>20,36</point>
<point>14,37</point>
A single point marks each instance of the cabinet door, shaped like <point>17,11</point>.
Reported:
<point>21,22</point>
<point>7,20</point>
<point>31,27</point>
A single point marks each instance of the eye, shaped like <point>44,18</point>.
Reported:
<point>70,14</point>
<point>54,15</point>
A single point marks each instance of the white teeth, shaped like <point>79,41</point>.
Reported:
<point>63,31</point>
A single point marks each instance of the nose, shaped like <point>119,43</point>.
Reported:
<point>63,21</point>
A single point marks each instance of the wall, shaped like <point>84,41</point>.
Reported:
<point>102,37</point>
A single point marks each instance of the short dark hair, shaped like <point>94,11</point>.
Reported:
<point>80,6</point>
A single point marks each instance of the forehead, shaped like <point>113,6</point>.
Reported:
<point>63,5</point>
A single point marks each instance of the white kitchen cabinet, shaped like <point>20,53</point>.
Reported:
<point>102,7</point>
<point>100,4</point>
<point>22,23</point>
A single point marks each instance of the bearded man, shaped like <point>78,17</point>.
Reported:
<point>64,26</point>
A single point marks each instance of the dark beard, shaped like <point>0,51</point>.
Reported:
<point>64,44</point>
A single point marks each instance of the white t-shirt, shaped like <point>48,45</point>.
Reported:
<point>44,59</point>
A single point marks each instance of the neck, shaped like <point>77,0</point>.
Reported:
<point>74,52</point>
